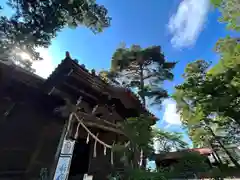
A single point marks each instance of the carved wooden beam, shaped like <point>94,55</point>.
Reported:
<point>93,121</point>
<point>92,118</point>
<point>11,173</point>
<point>81,91</point>
<point>14,149</point>
<point>92,81</point>
<point>104,127</point>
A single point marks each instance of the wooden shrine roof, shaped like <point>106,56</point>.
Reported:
<point>19,74</point>
<point>72,78</point>
<point>33,118</point>
<point>179,154</point>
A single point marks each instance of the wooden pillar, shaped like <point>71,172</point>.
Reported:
<point>35,154</point>
<point>56,158</point>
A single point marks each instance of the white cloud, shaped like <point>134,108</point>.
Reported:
<point>187,23</point>
<point>44,67</point>
<point>170,114</point>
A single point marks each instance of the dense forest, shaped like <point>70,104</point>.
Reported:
<point>207,100</point>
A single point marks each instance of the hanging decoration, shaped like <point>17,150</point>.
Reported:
<point>94,109</point>
<point>87,140</point>
<point>9,110</point>
<point>112,154</point>
<point>69,125</point>
<point>88,131</point>
<point>95,137</point>
<point>127,144</point>
<point>52,90</point>
<point>105,151</point>
<point>70,120</point>
<point>107,122</point>
<point>95,147</point>
<point>141,158</point>
<point>77,131</point>
<point>79,100</point>
<point>70,72</point>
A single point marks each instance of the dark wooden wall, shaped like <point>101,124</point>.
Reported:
<point>100,166</point>
<point>29,132</point>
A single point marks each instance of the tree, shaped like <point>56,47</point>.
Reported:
<point>143,69</point>
<point>204,100</point>
<point>138,131</point>
<point>229,50</point>
<point>191,164</point>
<point>229,47</point>
<point>50,16</point>
<point>168,140</point>
<point>15,40</point>
<point>213,94</point>
<point>35,23</point>
<point>230,12</point>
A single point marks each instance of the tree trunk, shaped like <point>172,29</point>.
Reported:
<point>235,162</point>
<point>218,160</point>
<point>142,85</point>
<point>215,155</point>
<point>143,159</point>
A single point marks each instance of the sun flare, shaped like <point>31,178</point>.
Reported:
<point>25,56</point>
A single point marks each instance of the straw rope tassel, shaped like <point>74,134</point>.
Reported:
<point>141,157</point>
<point>112,154</point>
<point>91,134</point>
<point>76,134</point>
<point>79,100</point>
<point>94,109</point>
<point>87,141</point>
<point>95,147</point>
<point>127,144</point>
<point>69,123</point>
<point>51,91</point>
<point>9,110</point>
<point>105,150</point>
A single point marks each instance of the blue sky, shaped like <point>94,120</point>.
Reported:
<point>186,29</point>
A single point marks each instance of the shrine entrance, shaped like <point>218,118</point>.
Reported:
<point>80,160</point>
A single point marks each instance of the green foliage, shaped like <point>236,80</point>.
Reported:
<point>35,23</point>
<point>229,51</point>
<point>16,38</point>
<point>190,162</point>
<point>44,174</point>
<point>208,104</point>
<point>216,3</point>
<point>138,130</point>
<point>141,136</point>
<point>138,174</point>
<point>209,94</point>
<point>50,16</point>
<point>144,69</point>
<point>230,12</point>
<point>168,140</point>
